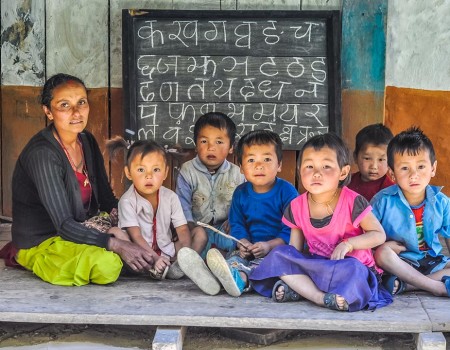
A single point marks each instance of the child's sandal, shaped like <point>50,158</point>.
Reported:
<point>158,275</point>
<point>446,281</point>
<point>289,294</point>
<point>389,283</point>
<point>329,299</point>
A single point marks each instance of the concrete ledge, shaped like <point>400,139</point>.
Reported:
<point>256,335</point>
<point>169,338</point>
<point>430,341</point>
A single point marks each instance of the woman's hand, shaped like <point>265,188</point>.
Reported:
<point>133,255</point>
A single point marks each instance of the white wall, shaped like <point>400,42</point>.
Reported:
<point>418,44</point>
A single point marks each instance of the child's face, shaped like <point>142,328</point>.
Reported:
<point>260,166</point>
<point>320,172</point>
<point>372,162</point>
<point>147,173</point>
<point>213,146</point>
<point>413,173</point>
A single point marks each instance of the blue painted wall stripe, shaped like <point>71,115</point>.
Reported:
<point>364,44</point>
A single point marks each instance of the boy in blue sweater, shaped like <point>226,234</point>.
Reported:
<point>413,214</point>
<point>255,215</point>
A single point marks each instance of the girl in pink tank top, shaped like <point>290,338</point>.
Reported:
<point>329,259</point>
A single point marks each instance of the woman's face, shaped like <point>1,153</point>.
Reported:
<point>69,108</point>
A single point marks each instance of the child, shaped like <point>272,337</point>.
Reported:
<point>255,215</point>
<point>147,209</point>
<point>370,156</point>
<point>337,224</point>
<point>206,183</point>
<point>413,214</point>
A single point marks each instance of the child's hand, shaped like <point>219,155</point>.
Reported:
<point>260,249</point>
<point>340,251</point>
<point>243,250</point>
<point>161,263</point>
<point>396,246</point>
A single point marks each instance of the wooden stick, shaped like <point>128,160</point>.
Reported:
<point>220,233</point>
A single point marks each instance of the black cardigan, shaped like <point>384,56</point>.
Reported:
<point>46,195</point>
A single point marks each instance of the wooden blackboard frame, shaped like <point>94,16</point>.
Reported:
<point>333,53</point>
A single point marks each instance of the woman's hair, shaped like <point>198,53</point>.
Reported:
<point>260,137</point>
<point>52,83</point>
<point>333,142</point>
<point>139,148</point>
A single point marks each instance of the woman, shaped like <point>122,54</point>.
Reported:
<point>60,181</point>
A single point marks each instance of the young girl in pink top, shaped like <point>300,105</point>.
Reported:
<point>338,226</point>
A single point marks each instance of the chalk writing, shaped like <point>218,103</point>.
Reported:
<point>264,72</point>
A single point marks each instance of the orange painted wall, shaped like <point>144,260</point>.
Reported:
<point>430,110</point>
<point>359,109</point>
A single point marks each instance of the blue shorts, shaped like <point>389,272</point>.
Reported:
<point>428,264</point>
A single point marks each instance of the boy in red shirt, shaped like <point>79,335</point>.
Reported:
<point>371,157</point>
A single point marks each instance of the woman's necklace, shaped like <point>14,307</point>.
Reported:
<point>81,165</point>
<point>327,204</point>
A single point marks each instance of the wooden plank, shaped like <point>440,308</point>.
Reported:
<point>322,4</point>
<point>118,179</point>
<point>196,4</point>
<point>23,41</point>
<point>115,34</point>
<point>228,4</point>
<point>289,167</point>
<point>77,40</point>
<point>98,117</point>
<point>5,232</point>
<point>22,117</point>
<point>141,301</point>
<point>268,5</point>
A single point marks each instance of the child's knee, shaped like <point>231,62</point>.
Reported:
<point>198,233</point>
<point>383,253</point>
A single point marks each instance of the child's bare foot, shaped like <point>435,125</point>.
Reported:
<point>335,302</point>
<point>393,284</point>
<point>395,287</point>
<point>281,293</point>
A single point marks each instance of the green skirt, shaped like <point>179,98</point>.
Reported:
<point>66,263</point>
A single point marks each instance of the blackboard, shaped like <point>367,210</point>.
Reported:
<point>275,70</point>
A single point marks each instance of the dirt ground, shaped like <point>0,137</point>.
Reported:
<point>14,335</point>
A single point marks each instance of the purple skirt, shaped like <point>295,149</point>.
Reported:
<point>348,277</point>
